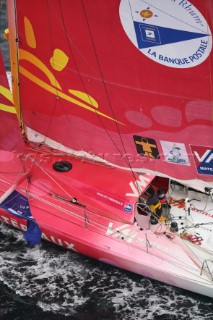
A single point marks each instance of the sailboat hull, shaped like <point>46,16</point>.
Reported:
<point>143,260</point>
<point>103,226</point>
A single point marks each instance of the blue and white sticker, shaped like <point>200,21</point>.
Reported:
<point>171,32</point>
<point>128,207</point>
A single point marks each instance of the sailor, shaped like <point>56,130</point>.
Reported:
<point>164,203</point>
<point>154,204</point>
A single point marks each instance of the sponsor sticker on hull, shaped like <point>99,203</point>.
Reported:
<point>146,147</point>
<point>203,157</point>
<point>175,152</point>
<point>171,32</point>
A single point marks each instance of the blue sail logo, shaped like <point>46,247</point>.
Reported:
<point>149,35</point>
<point>206,165</point>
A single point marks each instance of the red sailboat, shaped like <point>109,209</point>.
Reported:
<point>114,156</point>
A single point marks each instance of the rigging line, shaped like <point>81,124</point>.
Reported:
<point>209,59</point>
<point>70,126</point>
<point>69,155</point>
<point>203,210</point>
<point>6,182</point>
<point>102,228</point>
<point>78,215</point>
<point>68,40</point>
<point>56,90</point>
<point>51,118</point>
<point>53,194</point>
<point>57,97</point>
<point>71,51</point>
<point>192,244</point>
<point>75,63</point>
<point>51,34</point>
<point>75,214</point>
<point>108,98</point>
<point>80,211</point>
<point>174,17</point>
<point>187,244</point>
<point>13,185</point>
<point>37,146</point>
<point>40,167</point>
<point>26,156</point>
<point>54,106</point>
<point>79,74</point>
<point>53,109</point>
<point>91,67</point>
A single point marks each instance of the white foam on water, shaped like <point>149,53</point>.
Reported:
<point>67,283</point>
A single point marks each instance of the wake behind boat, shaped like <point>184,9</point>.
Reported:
<point>110,160</point>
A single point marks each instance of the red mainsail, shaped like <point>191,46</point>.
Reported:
<point>10,133</point>
<point>128,81</point>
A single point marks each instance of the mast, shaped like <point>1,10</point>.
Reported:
<point>13,43</point>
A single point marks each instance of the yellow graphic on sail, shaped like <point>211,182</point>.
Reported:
<point>6,93</point>
<point>58,62</point>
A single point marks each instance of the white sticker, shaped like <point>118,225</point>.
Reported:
<point>175,152</point>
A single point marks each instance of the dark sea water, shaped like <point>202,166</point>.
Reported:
<point>3,25</point>
<point>49,282</point>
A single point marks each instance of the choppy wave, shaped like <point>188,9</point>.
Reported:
<point>52,281</point>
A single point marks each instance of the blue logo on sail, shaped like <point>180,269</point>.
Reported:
<point>128,207</point>
<point>206,166</point>
<point>149,35</point>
